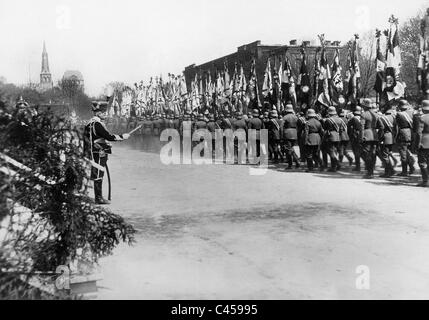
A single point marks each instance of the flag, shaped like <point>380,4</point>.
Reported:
<point>303,82</point>
<point>337,78</point>
<point>325,72</point>
<point>279,84</point>
<point>267,87</point>
<point>380,67</point>
<point>288,84</point>
<point>393,59</point>
<point>252,87</point>
<point>353,75</point>
<point>316,89</point>
<point>219,87</point>
<point>243,84</point>
<point>227,82</point>
<point>194,94</point>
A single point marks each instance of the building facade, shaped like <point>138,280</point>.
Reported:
<point>261,53</point>
<point>76,77</point>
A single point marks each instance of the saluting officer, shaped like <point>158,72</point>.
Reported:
<point>97,144</point>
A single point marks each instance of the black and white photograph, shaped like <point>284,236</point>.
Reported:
<point>221,150</point>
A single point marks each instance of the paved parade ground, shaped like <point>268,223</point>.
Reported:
<point>216,232</point>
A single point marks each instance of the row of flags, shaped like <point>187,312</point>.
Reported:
<point>223,90</point>
<point>236,90</point>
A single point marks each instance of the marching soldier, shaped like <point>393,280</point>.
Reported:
<point>97,139</point>
<point>370,127</point>
<point>344,139</point>
<point>266,119</point>
<point>200,123</point>
<point>333,129</point>
<point>238,124</point>
<point>157,125</point>
<point>290,135</point>
<point>301,124</point>
<point>274,136</point>
<point>404,120</point>
<point>212,126</point>
<point>423,143</point>
<point>226,124</point>
<point>386,142</point>
<point>170,122</point>
<point>313,133</point>
<point>354,128</point>
<point>256,123</point>
<point>176,122</point>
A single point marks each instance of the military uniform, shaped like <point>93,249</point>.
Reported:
<point>354,129</point>
<point>226,123</point>
<point>290,136</point>
<point>370,126</point>
<point>301,125</point>
<point>212,126</point>
<point>238,124</point>
<point>404,120</point>
<point>97,147</point>
<point>313,132</point>
<point>157,126</point>
<point>333,130</point>
<point>274,136</point>
<point>344,140</point>
<point>386,142</point>
<point>423,143</point>
<point>256,124</point>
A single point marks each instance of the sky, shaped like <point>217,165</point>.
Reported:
<point>131,40</point>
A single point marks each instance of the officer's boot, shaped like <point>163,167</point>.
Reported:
<point>404,172</point>
<point>98,192</point>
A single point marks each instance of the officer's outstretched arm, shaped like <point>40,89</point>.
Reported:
<point>105,134</point>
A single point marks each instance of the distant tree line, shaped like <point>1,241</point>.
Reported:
<point>67,93</point>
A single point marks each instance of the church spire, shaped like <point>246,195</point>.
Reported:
<point>45,74</point>
<point>45,62</point>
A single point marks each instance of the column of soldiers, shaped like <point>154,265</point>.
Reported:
<point>366,133</point>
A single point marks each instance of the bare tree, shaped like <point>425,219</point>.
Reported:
<point>367,48</point>
<point>70,89</point>
<point>410,43</point>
